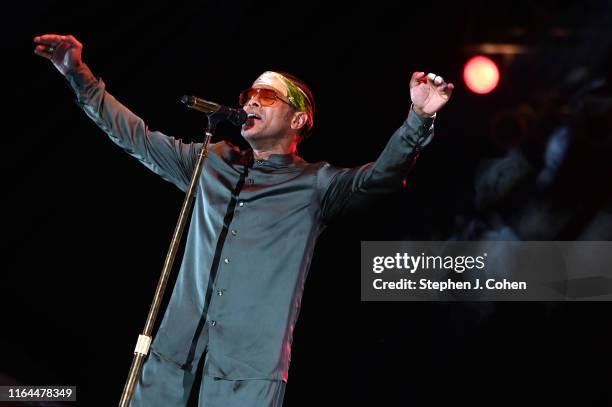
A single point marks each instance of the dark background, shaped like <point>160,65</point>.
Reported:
<point>86,227</point>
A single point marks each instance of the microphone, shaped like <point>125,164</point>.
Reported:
<point>236,116</point>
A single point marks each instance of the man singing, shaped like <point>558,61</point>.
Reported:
<point>256,217</point>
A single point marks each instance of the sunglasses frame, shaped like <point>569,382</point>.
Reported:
<point>257,92</point>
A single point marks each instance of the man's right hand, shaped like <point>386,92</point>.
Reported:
<point>64,51</point>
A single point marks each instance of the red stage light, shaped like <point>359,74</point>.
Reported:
<point>480,74</point>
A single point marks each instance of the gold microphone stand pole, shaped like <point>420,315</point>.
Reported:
<point>145,338</point>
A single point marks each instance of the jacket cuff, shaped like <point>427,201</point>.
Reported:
<point>82,81</point>
<point>421,128</point>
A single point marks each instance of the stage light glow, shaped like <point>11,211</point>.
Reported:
<point>480,74</point>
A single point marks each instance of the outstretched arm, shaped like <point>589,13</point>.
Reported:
<point>344,188</point>
<point>172,159</point>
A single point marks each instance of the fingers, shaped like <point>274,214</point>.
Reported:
<point>43,51</point>
<point>72,41</point>
<point>55,40</point>
<point>440,85</point>
<point>436,79</point>
<point>449,90</point>
<point>49,39</point>
<point>54,47</point>
<point>432,78</point>
<point>416,78</point>
<point>49,43</point>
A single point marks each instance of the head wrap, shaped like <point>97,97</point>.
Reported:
<point>289,89</point>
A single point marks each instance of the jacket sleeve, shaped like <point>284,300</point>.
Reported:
<point>345,189</point>
<point>170,158</point>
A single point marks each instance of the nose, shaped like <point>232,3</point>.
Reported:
<point>253,100</point>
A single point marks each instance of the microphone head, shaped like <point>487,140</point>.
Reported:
<point>236,116</point>
<point>187,100</point>
<point>239,117</point>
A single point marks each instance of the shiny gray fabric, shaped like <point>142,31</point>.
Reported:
<point>251,235</point>
<point>164,384</point>
<point>216,392</point>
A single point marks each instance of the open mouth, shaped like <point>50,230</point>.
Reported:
<point>251,118</point>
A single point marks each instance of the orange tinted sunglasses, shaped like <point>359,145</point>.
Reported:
<point>267,97</point>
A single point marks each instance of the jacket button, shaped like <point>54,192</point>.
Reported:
<point>234,232</point>
<point>241,204</point>
<point>226,260</point>
<point>220,293</point>
<point>213,323</point>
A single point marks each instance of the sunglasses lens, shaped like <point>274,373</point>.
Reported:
<point>266,97</point>
<point>245,95</point>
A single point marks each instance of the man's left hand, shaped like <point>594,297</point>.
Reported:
<point>429,93</point>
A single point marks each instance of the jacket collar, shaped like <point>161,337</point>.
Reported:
<point>245,157</point>
<point>274,160</point>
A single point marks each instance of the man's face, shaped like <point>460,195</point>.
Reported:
<point>266,122</point>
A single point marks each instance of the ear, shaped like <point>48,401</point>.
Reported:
<point>299,120</point>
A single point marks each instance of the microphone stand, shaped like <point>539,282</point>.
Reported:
<point>144,339</point>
